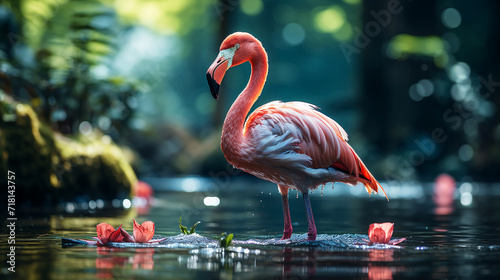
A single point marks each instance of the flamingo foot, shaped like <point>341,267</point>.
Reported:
<point>311,235</point>
<point>287,233</point>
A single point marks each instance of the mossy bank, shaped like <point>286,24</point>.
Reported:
<point>51,168</point>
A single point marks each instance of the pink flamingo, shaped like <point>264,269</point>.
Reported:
<point>290,144</point>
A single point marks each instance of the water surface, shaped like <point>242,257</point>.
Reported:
<point>454,241</point>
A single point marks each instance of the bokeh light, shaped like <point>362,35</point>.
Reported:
<point>459,91</point>
<point>251,7</point>
<point>330,19</point>
<point>85,128</point>
<point>422,89</point>
<point>451,18</point>
<point>127,203</point>
<point>212,201</point>
<point>465,153</point>
<point>293,34</point>
<point>459,72</point>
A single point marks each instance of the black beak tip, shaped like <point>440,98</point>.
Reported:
<point>214,86</point>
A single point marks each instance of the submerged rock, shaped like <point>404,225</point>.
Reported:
<point>51,168</point>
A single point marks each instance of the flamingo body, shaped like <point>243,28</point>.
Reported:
<point>291,144</point>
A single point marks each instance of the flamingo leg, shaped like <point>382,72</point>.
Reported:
<point>287,231</point>
<point>311,231</point>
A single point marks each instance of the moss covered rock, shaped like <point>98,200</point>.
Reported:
<point>52,168</point>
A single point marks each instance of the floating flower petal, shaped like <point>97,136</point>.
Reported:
<point>107,233</point>
<point>144,232</point>
<point>380,233</point>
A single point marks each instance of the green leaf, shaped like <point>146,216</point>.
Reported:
<point>184,230</point>
<point>193,227</point>
<point>225,240</point>
<point>229,240</point>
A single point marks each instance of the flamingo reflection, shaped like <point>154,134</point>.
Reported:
<point>443,197</point>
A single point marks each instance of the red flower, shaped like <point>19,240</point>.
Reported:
<point>106,233</point>
<point>381,234</point>
<point>143,233</point>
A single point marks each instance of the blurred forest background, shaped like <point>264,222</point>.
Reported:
<point>415,83</point>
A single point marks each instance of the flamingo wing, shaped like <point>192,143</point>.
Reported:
<point>311,133</point>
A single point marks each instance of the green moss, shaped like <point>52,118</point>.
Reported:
<point>51,168</point>
<point>94,164</point>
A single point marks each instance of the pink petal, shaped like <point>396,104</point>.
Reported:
<point>157,240</point>
<point>116,236</point>
<point>378,236</point>
<point>388,228</point>
<point>380,233</point>
<point>90,242</point>
<point>104,231</point>
<point>126,236</point>
<point>143,233</point>
<point>396,241</point>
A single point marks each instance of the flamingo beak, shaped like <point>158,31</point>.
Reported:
<point>219,67</point>
<point>215,74</point>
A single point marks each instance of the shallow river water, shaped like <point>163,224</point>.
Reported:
<point>455,240</point>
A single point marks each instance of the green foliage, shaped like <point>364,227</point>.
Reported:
<point>184,229</point>
<point>168,16</point>
<point>225,240</point>
<point>73,44</point>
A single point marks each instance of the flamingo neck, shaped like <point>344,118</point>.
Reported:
<point>232,130</point>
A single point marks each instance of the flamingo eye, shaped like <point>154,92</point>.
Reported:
<point>237,46</point>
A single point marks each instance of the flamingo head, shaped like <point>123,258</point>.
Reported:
<point>234,50</point>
